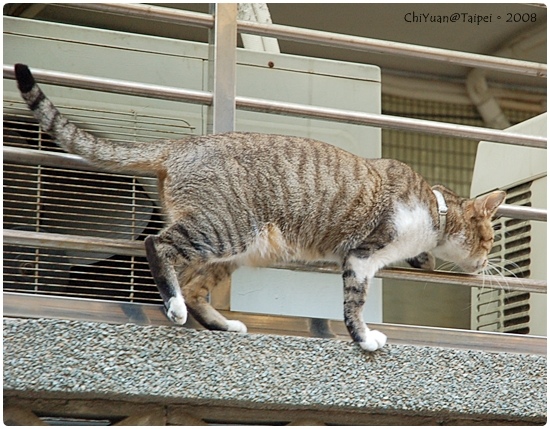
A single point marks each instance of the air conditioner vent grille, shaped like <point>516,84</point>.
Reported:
<point>58,199</point>
<point>57,272</point>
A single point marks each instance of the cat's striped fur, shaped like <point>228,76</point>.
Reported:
<point>243,198</point>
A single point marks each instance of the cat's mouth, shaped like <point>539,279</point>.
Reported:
<point>474,267</point>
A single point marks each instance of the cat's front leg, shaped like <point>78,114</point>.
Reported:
<point>356,276</point>
<point>424,261</point>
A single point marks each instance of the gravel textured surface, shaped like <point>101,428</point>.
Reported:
<point>169,364</point>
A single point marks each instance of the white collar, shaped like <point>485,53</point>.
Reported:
<point>442,209</point>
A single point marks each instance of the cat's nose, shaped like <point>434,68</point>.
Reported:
<point>481,265</point>
<point>476,266</point>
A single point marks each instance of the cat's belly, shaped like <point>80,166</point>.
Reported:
<point>270,247</point>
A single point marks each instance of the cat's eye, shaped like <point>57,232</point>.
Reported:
<point>487,244</point>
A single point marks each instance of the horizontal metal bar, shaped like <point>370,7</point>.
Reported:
<point>156,13</point>
<point>58,159</point>
<point>25,156</point>
<point>92,310</point>
<point>389,122</point>
<point>465,59</point>
<point>445,277</point>
<point>136,248</point>
<point>116,86</point>
<point>73,242</point>
<point>283,108</point>
<point>344,41</point>
<point>522,212</point>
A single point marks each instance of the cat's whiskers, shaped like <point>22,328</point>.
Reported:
<point>446,266</point>
<point>494,275</point>
<point>503,264</point>
<point>499,271</point>
<point>488,274</point>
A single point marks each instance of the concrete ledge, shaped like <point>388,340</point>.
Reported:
<point>170,367</point>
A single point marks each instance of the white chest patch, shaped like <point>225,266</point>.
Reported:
<point>415,234</point>
<point>414,228</point>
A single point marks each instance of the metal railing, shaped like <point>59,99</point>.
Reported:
<point>282,108</point>
<point>136,248</point>
<point>343,41</point>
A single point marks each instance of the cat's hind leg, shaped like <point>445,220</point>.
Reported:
<point>184,245</point>
<point>194,251</point>
<point>197,283</point>
<point>161,257</point>
<point>356,275</point>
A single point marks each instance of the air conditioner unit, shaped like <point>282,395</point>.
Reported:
<point>65,198</point>
<point>520,247</point>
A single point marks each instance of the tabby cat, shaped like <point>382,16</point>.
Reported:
<point>244,198</point>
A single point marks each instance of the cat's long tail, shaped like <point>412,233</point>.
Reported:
<point>129,157</point>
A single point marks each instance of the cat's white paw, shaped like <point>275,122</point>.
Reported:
<point>236,326</point>
<point>176,310</point>
<point>430,262</point>
<point>374,340</point>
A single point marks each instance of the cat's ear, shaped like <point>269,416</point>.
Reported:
<point>486,205</point>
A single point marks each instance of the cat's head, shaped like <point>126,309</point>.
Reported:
<point>469,233</point>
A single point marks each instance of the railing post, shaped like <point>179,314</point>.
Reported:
<point>222,68</point>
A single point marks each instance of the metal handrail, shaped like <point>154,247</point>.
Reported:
<point>394,48</point>
<point>157,13</point>
<point>522,212</point>
<point>281,108</point>
<point>326,38</point>
<point>390,122</point>
<point>136,248</point>
<point>67,160</point>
